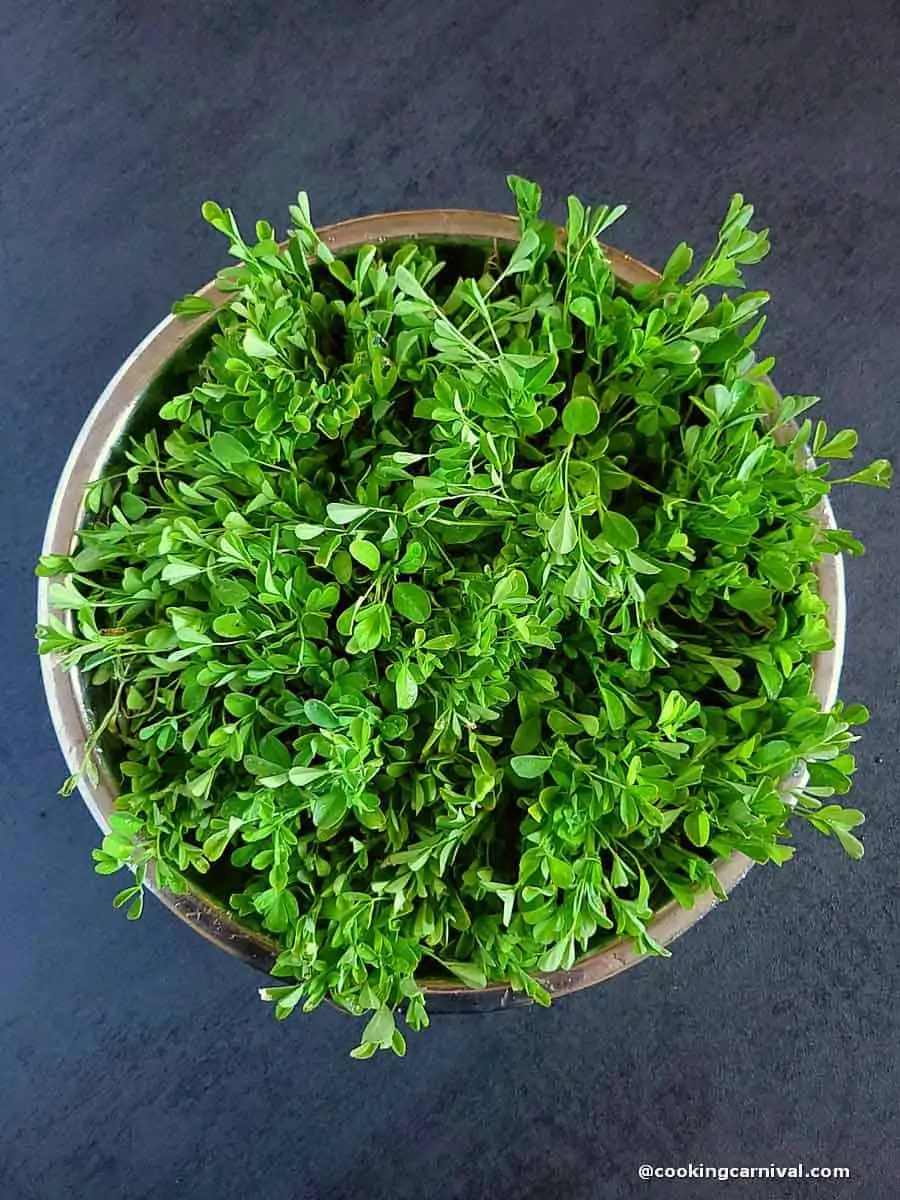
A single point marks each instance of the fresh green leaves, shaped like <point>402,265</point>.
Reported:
<point>530,766</point>
<point>697,827</point>
<point>345,514</point>
<point>563,533</point>
<point>833,819</point>
<point>192,306</point>
<point>460,622</point>
<point>228,450</point>
<point>412,602</point>
<point>580,416</point>
<point>365,553</point>
<point>407,688</point>
<point>876,474</point>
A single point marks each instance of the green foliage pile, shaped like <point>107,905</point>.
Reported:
<point>463,617</point>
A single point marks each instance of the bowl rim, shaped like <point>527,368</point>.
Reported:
<point>100,434</point>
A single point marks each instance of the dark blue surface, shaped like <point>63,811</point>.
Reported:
<point>136,1062</point>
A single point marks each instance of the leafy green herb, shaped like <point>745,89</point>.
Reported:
<point>462,614</point>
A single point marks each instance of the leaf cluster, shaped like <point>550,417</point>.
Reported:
<point>461,611</point>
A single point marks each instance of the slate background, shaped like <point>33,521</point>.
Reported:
<point>137,1062</point>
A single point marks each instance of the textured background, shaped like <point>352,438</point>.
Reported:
<point>137,1062</point>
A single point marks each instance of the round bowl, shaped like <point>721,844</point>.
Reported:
<point>130,392</point>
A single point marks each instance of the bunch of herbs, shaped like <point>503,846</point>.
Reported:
<point>467,615</point>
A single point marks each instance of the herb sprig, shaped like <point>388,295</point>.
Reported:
<point>466,614</point>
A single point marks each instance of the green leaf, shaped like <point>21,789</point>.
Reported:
<point>412,602</point>
<point>527,196</point>
<point>53,564</point>
<point>304,776</point>
<point>370,629</point>
<point>269,418</point>
<point>528,736</point>
<point>407,689</point>
<point>258,347</point>
<point>306,532</point>
<point>286,999</point>
<point>792,406</point>
<point>345,514</point>
<point>329,810</point>
<point>561,873</point>
<point>563,534</point>
<point>132,506</point>
<point>216,844</point>
<point>839,446</point>
<point>510,590</point>
<point>229,625</point>
<point>578,586</point>
<point>530,766</point>
<point>696,827</point>
<point>228,450</point>
<point>66,595</point>
<point>470,974</point>
<point>364,1050</point>
<point>279,909</point>
<point>581,416</point>
<point>679,262</point>
<point>366,554</point>
<point>199,786</point>
<point>575,221</point>
<point>413,559</point>
<point>753,599</point>
<point>240,704</point>
<point>522,255</point>
<point>192,306</point>
<point>320,714</point>
<point>684,352</point>
<point>852,845</point>
<point>726,672</point>
<point>273,756</point>
<point>619,531</point>
<point>560,723</point>
<point>777,569</point>
<point>127,824</point>
<point>179,572</point>
<point>230,593</point>
<point>640,653</point>
<point>380,1029</point>
<point>837,816</point>
<point>641,565</point>
<point>410,286</point>
<point>213,213</point>
<point>404,459</point>
<point>582,307</point>
<point>876,474</point>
